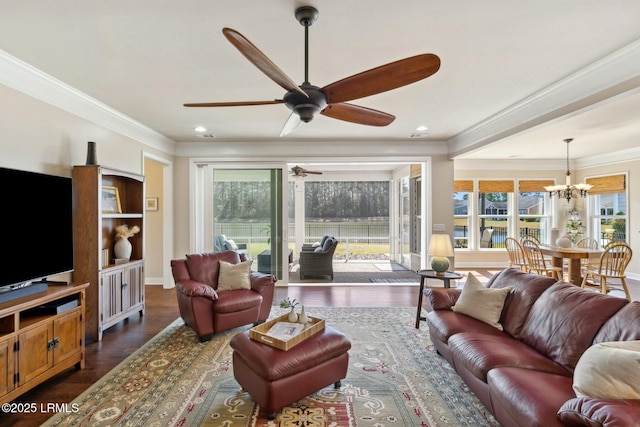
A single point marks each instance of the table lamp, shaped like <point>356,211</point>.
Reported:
<point>440,248</point>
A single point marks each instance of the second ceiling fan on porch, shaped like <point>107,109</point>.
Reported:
<point>306,100</point>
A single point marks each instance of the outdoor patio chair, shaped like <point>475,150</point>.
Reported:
<point>221,244</point>
<point>485,240</point>
<point>318,262</point>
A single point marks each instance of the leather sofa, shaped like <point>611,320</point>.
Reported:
<point>524,374</point>
<point>208,309</point>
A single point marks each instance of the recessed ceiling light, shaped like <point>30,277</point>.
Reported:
<point>200,129</point>
<point>422,128</point>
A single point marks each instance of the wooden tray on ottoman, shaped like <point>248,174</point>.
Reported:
<point>259,333</point>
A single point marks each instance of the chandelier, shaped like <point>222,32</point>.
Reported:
<point>568,191</point>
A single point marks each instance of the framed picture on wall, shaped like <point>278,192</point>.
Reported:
<point>152,203</point>
<point>110,200</point>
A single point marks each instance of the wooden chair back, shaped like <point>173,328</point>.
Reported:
<point>536,261</point>
<point>517,257</point>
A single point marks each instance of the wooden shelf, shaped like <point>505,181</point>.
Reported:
<point>106,303</point>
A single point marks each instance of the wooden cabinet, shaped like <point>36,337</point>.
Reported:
<point>40,336</point>
<point>116,290</point>
<point>122,290</point>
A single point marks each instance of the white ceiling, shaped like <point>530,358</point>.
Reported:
<point>516,77</point>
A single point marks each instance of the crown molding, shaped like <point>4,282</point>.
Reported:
<point>31,81</point>
<point>611,76</point>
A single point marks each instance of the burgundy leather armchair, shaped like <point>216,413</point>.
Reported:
<point>208,311</point>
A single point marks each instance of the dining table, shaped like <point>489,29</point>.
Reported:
<point>573,255</point>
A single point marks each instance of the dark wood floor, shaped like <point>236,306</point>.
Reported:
<point>161,309</point>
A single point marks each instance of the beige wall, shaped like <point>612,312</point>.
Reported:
<point>153,222</point>
<point>36,136</point>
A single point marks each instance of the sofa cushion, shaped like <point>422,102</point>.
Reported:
<point>230,245</point>
<point>530,398</point>
<point>565,319</point>
<point>623,326</point>
<point>204,268</point>
<point>481,303</point>
<point>584,411</point>
<point>237,301</point>
<point>526,288</point>
<point>479,353</point>
<point>609,370</point>
<point>234,276</point>
<point>445,323</point>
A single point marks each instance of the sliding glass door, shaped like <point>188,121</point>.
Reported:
<point>243,211</point>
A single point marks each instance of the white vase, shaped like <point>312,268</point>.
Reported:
<point>122,249</point>
<point>564,242</point>
<point>293,316</point>
<point>302,317</point>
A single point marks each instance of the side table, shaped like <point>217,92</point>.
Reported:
<point>430,274</point>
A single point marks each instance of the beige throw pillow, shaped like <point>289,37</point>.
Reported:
<point>484,304</point>
<point>234,276</point>
<point>609,370</point>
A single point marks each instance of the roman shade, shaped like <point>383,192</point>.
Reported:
<point>496,186</point>
<point>607,184</point>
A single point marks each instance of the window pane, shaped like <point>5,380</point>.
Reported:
<point>461,219</point>
<point>493,211</point>
<point>610,217</point>
<point>533,220</point>
<point>493,204</point>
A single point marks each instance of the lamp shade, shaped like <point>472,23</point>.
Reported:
<point>440,248</point>
<point>440,245</point>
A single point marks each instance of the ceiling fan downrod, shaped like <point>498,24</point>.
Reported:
<point>306,15</point>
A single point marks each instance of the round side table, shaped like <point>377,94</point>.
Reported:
<point>430,274</point>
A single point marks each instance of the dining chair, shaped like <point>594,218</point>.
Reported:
<point>536,261</point>
<point>587,243</point>
<point>517,257</point>
<point>612,266</point>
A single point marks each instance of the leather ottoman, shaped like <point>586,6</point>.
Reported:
<point>275,378</point>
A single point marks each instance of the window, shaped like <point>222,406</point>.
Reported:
<point>483,219</point>
<point>533,209</point>
<point>608,204</point>
<point>463,192</point>
<point>494,212</point>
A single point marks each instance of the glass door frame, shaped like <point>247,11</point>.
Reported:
<point>202,221</point>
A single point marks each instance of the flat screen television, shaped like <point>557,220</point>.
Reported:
<point>36,217</point>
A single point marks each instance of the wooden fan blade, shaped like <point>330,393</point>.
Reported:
<point>260,60</point>
<point>383,78</point>
<point>233,104</point>
<point>357,114</point>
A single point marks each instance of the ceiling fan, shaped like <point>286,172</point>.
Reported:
<point>306,100</point>
<point>302,172</point>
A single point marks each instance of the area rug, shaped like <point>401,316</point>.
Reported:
<point>395,378</point>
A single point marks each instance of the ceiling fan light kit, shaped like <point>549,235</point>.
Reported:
<point>307,100</point>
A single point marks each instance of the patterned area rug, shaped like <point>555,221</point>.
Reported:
<point>395,378</point>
